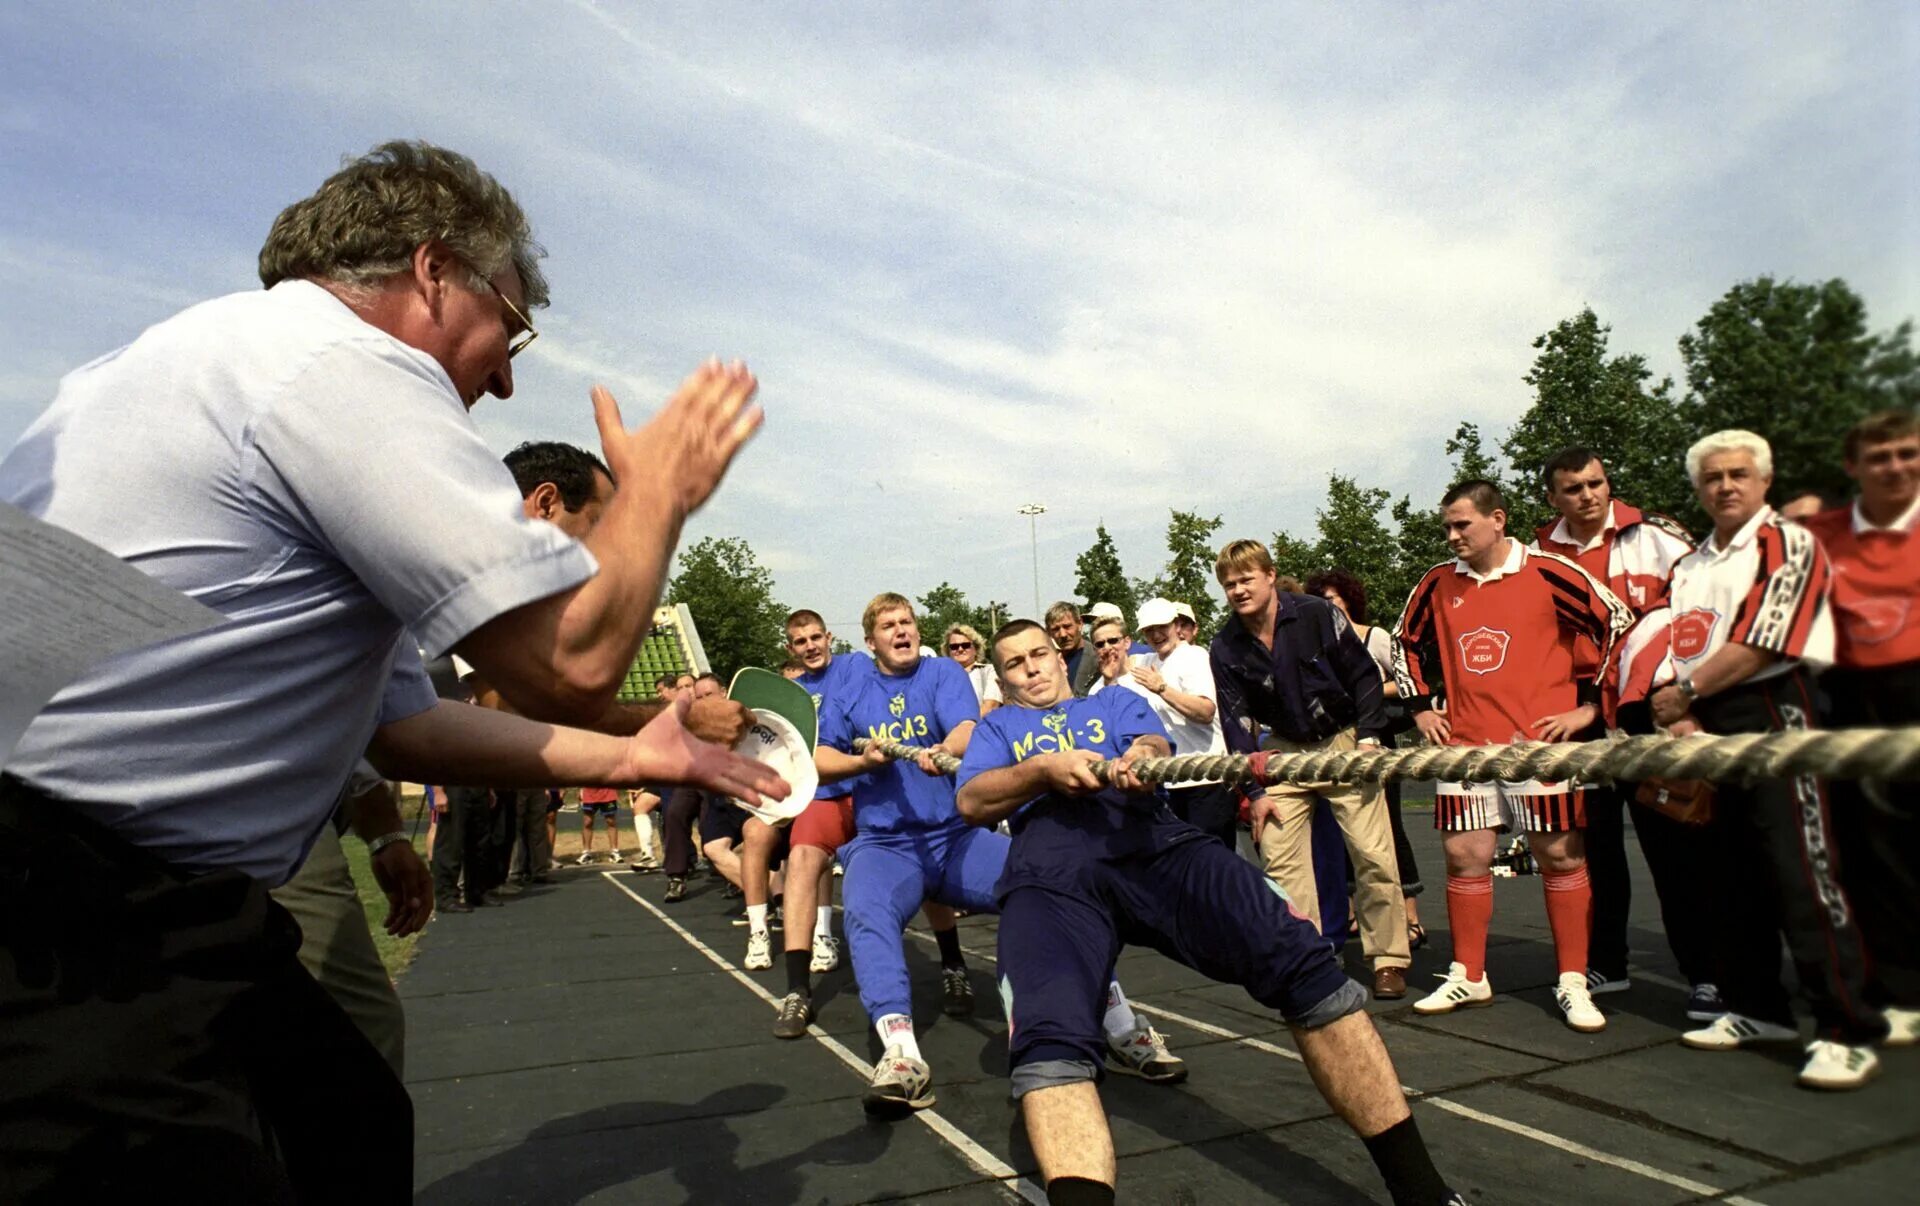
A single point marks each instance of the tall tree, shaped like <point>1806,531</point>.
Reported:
<point>1099,578</point>
<point>731,597</point>
<point>1420,543</point>
<point>1352,536</point>
<point>1293,557</point>
<point>1795,363</point>
<point>946,605</point>
<point>1583,396</point>
<point>1188,576</point>
<point>1470,459</point>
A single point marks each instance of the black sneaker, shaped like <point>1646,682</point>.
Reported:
<point>676,889</point>
<point>956,993</point>
<point>796,1014</point>
<point>731,892</point>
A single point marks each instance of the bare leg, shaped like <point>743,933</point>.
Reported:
<point>803,894</point>
<point>1352,1070</point>
<point>720,853</point>
<point>755,853</point>
<point>1067,1127</point>
<point>939,917</point>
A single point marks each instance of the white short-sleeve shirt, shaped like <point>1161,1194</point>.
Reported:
<point>1767,588</point>
<point>321,485</point>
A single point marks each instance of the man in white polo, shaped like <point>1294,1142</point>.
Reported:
<point>1177,680</point>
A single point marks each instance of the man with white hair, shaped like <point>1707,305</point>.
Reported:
<point>1749,611</point>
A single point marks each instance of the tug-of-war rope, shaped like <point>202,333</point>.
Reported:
<point>1742,757</point>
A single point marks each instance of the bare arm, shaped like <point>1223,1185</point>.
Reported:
<point>721,721</point>
<point>991,796</point>
<point>565,656</point>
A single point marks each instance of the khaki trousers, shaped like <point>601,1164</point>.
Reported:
<point>337,948</point>
<point>1286,847</point>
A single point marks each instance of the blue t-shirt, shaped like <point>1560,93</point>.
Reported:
<point>841,673</point>
<point>1052,833</point>
<point>920,707</point>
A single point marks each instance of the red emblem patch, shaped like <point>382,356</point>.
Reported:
<point>1871,621</point>
<point>1483,650</point>
<point>1693,632</point>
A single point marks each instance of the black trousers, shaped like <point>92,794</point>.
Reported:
<point>1212,808</point>
<point>162,1042</point>
<point>1778,871</point>
<point>1677,855</point>
<point>463,850</point>
<point>682,809</point>
<point>1878,825</point>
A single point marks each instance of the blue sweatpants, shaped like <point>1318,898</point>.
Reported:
<point>888,877</point>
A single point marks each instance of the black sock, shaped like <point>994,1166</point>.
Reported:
<point>1078,1191</point>
<point>775,902</point>
<point>1401,1156</point>
<point>950,955</point>
<point>797,972</point>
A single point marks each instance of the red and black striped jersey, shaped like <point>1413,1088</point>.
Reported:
<point>1505,650</point>
<point>1767,590</point>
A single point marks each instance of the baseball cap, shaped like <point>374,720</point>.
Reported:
<point>1157,611</point>
<point>1185,612</point>
<point>1104,611</point>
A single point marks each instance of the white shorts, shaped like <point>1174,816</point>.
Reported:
<point>1529,807</point>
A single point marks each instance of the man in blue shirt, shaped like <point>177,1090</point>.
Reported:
<point>1093,867</point>
<point>913,846</point>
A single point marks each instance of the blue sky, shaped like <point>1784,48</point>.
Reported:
<point>1111,259</point>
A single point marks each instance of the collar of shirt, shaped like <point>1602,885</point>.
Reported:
<point>1562,534</point>
<point>1711,549</point>
<point>1903,524</point>
<point>1516,557</point>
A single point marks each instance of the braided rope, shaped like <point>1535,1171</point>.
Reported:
<point>1741,757</point>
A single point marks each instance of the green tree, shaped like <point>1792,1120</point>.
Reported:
<point>1352,536</point>
<point>1419,544</point>
<point>1099,578</point>
<point>1796,364</point>
<point>731,597</point>
<point>1584,396</point>
<point>1292,556</point>
<point>947,605</point>
<point>1188,576</point>
<point>1470,459</point>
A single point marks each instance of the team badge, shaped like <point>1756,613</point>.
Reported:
<point>897,705</point>
<point>1055,721</point>
<point>818,699</point>
<point>1871,621</point>
<point>1459,599</point>
<point>1693,632</point>
<point>1483,650</point>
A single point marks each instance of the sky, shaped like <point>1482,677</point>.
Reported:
<point>1110,259</point>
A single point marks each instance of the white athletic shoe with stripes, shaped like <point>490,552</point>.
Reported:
<point>1731,1030</point>
<point>1576,1004</point>
<point>759,951</point>
<point>826,954</point>
<point>1457,992</point>
<point>1833,1065</point>
<point>900,1085</point>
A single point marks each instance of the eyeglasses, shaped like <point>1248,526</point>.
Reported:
<point>957,646</point>
<point>1110,642</point>
<point>516,344</point>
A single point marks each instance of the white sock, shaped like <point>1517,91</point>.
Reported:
<point>896,1034</point>
<point>643,828</point>
<point>823,925</point>
<point>1119,1022</point>
<point>757,918</point>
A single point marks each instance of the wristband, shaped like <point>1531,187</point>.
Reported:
<point>383,841</point>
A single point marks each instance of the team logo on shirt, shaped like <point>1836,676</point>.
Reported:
<point>1055,721</point>
<point>1693,632</point>
<point>1871,621</point>
<point>1483,650</point>
<point>1459,599</point>
<point>1059,736</point>
<point>897,705</point>
<point>818,699</point>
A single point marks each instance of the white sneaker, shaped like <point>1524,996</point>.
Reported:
<point>1731,1030</point>
<point>1456,992</point>
<point>826,954</point>
<point>1903,1027</point>
<point>759,951</point>
<point>900,1086</point>
<point>1833,1065</point>
<point>585,859</point>
<point>1576,1002</point>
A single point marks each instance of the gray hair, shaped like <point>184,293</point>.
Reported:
<point>1060,611</point>
<point>366,221</point>
<point>1731,440</point>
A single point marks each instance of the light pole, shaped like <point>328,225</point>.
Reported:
<point>1033,511</point>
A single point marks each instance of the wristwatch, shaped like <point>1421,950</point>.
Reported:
<point>1685,686</point>
<point>383,841</point>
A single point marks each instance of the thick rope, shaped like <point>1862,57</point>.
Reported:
<point>1741,757</point>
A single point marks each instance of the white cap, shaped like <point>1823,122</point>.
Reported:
<point>1104,611</point>
<point>1185,612</point>
<point>1155,612</point>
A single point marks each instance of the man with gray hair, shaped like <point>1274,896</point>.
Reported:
<point>1065,627</point>
<point>1748,614</point>
<point>301,460</point>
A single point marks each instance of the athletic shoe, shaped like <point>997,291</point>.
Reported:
<point>585,859</point>
<point>1731,1030</point>
<point>1704,1003</point>
<point>796,1014</point>
<point>614,859</point>
<point>1576,1002</point>
<point>1456,992</point>
<point>1144,1054</point>
<point>826,954</point>
<point>1599,983</point>
<point>956,993</point>
<point>639,868</point>
<point>676,889</point>
<point>1833,1065</point>
<point>900,1086</point>
<point>732,891</point>
<point>775,920</point>
<point>759,951</point>
<point>1903,1027</point>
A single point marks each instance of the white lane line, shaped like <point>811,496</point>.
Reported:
<point>1570,1146</point>
<point>982,1161</point>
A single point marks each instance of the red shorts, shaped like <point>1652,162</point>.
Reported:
<point>827,824</point>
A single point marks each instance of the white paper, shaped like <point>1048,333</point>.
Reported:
<point>66,605</point>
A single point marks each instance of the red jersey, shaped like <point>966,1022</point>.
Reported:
<point>599,795</point>
<point>1503,649</point>
<point>1876,583</point>
<point>1633,554</point>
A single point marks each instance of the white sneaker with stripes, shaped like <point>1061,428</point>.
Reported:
<point>1731,1030</point>
<point>1576,1004</point>
<point>1903,1027</point>
<point>1456,992</point>
<point>1833,1065</point>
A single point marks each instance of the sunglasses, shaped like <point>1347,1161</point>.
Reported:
<point>957,646</point>
<point>1110,642</point>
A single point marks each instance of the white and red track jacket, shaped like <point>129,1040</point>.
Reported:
<point>1634,553</point>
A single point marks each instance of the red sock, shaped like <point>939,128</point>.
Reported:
<point>1469,916</point>
<point>1570,916</point>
